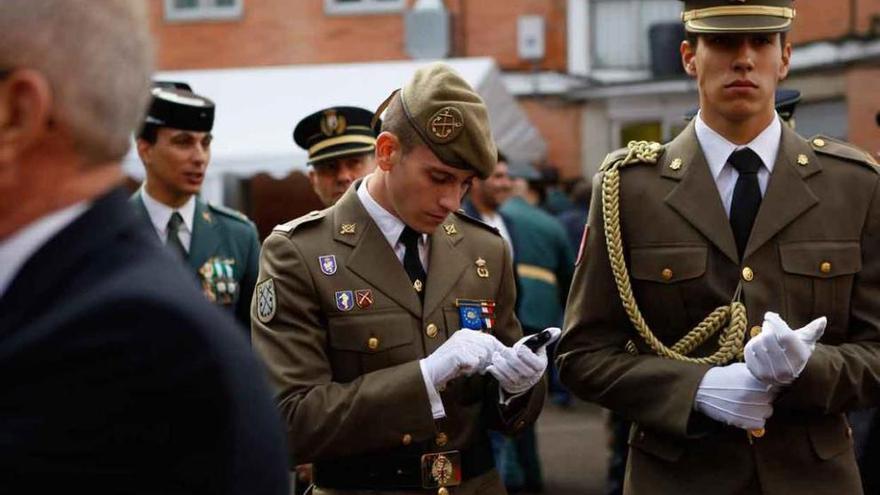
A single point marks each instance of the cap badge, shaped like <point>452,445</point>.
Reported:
<point>332,123</point>
<point>445,125</point>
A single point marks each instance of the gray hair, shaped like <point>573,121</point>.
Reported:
<point>97,56</point>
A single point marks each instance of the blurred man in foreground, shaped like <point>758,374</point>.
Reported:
<point>117,376</point>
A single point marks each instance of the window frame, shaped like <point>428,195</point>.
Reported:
<point>205,10</point>
<point>364,7</point>
<point>593,43</point>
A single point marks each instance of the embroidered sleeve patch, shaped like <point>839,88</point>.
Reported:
<point>266,300</point>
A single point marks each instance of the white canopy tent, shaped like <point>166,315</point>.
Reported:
<point>257,109</point>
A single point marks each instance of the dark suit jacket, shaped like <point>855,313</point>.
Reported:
<point>812,252</point>
<point>118,377</point>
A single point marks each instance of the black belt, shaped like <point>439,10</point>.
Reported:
<point>395,471</point>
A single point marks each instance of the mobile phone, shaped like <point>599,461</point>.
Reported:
<point>539,340</point>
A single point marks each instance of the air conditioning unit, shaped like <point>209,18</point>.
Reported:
<point>427,30</point>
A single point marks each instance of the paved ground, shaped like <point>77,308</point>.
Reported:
<point>573,444</point>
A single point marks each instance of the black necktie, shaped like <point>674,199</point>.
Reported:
<point>411,262</point>
<point>173,241</point>
<point>746,196</point>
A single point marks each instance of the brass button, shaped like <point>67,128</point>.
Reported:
<point>758,433</point>
<point>431,330</point>
<point>819,142</point>
<point>373,343</point>
<point>748,274</point>
<point>825,267</point>
<point>666,274</point>
<point>441,439</point>
<point>442,491</point>
<point>407,439</point>
<point>755,331</point>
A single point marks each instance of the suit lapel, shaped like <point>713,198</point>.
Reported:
<point>696,196</point>
<point>788,195</point>
<point>205,235</point>
<point>372,258</point>
<point>445,265</point>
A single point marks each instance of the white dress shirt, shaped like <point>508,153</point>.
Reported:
<point>391,227</point>
<point>717,149</point>
<point>160,213</point>
<point>496,220</point>
<point>18,248</point>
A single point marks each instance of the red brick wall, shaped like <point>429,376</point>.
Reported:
<point>863,103</point>
<point>559,123</point>
<point>831,19</point>
<point>282,32</point>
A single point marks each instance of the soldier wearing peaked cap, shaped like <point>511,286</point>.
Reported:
<point>340,142</point>
<point>219,244</point>
<point>387,320</point>
<point>726,296</point>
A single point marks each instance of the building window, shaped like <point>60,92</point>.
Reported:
<point>197,10</point>
<point>620,31</point>
<point>344,7</point>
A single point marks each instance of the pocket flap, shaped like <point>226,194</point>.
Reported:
<point>830,436</point>
<point>668,264</point>
<point>822,259</point>
<point>356,332</point>
<point>655,444</point>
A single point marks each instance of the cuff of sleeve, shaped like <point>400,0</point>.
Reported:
<point>437,409</point>
<point>505,398</point>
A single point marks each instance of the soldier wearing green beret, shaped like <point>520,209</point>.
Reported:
<point>387,320</point>
<point>220,245</point>
<point>727,294</point>
<point>340,142</point>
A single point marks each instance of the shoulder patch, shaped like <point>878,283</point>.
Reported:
<point>645,152</point>
<point>229,212</point>
<point>474,221</point>
<point>841,149</point>
<point>290,226</point>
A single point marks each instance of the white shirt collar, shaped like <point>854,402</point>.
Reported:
<point>717,149</point>
<point>160,212</point>
<point>390,225</point>
<point>17,249</point>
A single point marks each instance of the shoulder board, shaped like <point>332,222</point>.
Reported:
<point>479,223</point>
<point>290,226</point>
<point>841,149</point>
<point>229,212</point>
<point>646,152</point>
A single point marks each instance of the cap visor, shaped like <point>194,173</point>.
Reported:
<point>739,24</point>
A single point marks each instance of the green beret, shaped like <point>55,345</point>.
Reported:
<point>738,16</point>
<point>451,118</point>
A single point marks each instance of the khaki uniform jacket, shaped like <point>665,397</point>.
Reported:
<point>812,251</point>
<point>348,381</point>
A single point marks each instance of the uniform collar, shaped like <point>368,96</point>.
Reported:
<point>160,213</point>
<point>717,149</point>
<point>390,226</point>
<point>16,250</point>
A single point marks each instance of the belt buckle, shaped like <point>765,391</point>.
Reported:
<point>441,469</point>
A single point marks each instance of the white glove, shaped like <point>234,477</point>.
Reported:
<point>731,395</point>
<point>779,354</point>
<point>517,368</point>
<point>465,353</point>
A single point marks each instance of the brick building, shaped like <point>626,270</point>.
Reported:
<point>590,89</point>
